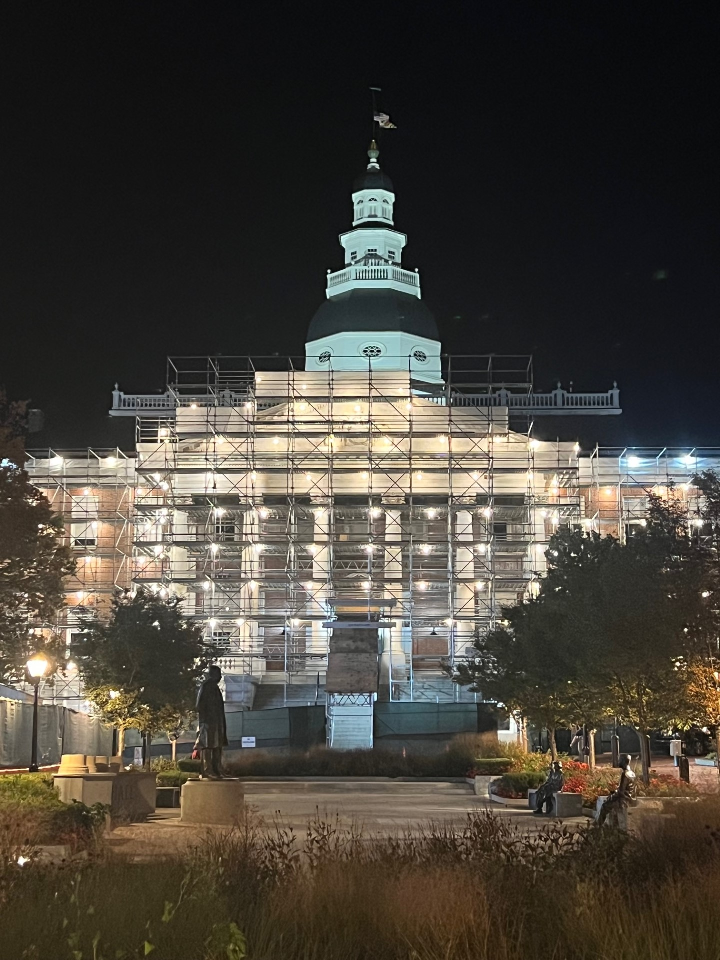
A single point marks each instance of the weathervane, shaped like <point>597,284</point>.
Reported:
<point>381,119</point>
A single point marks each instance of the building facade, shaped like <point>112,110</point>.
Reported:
<point>345,524</point>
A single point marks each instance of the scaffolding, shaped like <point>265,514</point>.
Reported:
<point>92,490</point>
<point>619,481</point>
<point>274,499</point>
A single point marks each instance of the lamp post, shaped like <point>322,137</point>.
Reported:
<point>37,667</point>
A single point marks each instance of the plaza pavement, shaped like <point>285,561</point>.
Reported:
<point>379,807</point>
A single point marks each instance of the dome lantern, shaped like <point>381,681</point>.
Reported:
<point>374,313</point>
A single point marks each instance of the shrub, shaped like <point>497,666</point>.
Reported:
<point>516,785</point>
<point>666,785</point>
<point>189,766</point>
<point>29,805</point>
<point>173,778</point>
<point>492,766</point>
<point>321,762</point>
<point>536,762</point>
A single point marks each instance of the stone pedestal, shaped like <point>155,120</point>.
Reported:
<point>214,802</point>
<point>87,788</point>
<point>567,805</point>
<point>133,796</point>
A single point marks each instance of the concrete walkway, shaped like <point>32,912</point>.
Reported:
<point>380,808</point>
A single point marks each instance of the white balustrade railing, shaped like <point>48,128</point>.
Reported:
<point>388,272</point>
<point>138,402</point>
<point>558,401</point>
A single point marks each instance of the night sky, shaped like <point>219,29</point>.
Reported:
<point>174,177</point>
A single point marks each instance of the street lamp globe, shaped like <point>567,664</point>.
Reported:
<point>37,666</point>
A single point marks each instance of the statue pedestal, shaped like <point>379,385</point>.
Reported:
<point>214,802</point>
<point>87,788</point>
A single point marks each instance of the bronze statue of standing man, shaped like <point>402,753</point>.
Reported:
<point>212,731</point>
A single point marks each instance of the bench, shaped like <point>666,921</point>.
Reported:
<point>167,796</point>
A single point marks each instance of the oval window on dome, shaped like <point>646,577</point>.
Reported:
<point>371,351</point>
<point>324,357</point>
<point>420,356</point>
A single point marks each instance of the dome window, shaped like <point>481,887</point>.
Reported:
<point>324,357</point>
<point>420,356</point>
<point>371,351</point>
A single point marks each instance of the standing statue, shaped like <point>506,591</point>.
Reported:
<point>212,731</point>
<point>620,799</point>
<point>553,784</point>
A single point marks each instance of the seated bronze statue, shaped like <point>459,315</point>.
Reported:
<point>552,785</point>
<point>620,799</point>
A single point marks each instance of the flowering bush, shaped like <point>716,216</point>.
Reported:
<point>533,762</point>
<point>666,785</point>
<point>601,781</point>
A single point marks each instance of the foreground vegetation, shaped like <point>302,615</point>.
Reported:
<point>31,813</point>
<point>484,891</point>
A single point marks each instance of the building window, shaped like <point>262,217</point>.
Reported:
<point>391,254</point>
<point>84,525</point>
<point>353,255</point>
<point>225,530</point>
<point>221,638</point>
<point>372,249</point>
<point>420,356</point>
<point>372,350</point>
<point>84,534</point>
<point>324,357</point>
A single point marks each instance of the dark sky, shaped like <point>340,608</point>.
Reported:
<point>174,177</point>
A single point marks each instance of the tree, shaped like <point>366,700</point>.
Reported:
<point>612,631</point>
<point>142,667</point>
<point>33,560</point>
<point>637,614</point>
<point>519,665</point>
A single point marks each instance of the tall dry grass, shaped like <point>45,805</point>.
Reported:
<point>484,891</point>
